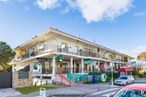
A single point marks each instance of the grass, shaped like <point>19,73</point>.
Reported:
<point>90,82</point>
<point>27,90</point>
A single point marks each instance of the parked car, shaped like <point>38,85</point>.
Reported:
<point>124,80</point>
<point>134,90</point>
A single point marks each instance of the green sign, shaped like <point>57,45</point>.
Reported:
<point>60,58</point>
<point>87,61</point>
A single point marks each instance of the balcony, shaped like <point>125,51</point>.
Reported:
<point>57,48</point>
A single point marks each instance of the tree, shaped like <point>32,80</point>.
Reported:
<point>6,55</point>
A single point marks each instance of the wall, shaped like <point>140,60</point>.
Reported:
<point>16,82</point>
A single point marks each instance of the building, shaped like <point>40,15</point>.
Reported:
<point>54,53</point>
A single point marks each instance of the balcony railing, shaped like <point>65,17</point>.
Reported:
<point>57,48</point>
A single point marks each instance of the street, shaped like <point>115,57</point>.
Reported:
<point>107,93</point>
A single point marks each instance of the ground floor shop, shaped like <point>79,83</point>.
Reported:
<point>51,68</point>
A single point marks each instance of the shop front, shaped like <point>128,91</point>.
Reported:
<point>126,71</point>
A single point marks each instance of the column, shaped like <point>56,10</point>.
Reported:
<point>74,67</point>
<point>54,67</point>
<point>92,67</point>
<point>82,65</point>
<point>105,66</point>
<point>98,65</point>
<point>71,65</point>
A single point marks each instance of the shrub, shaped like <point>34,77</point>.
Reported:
<point>135,72</point>
<point>95,73</point>
<point>115,74</point>
<point>140,75</point>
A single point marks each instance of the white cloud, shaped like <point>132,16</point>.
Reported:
<point>140,13</point>
<point>91,10</point>
<point>47,4</point>
<point>3,0</point>
<point>135,52</point>
<point>98,10</point>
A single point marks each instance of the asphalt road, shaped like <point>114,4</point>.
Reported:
<point>109,92</point>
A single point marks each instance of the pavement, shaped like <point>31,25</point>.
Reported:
<point>9,92</point>
<point>105,93</point>
<point>74,91</point>
<point>94,90</point>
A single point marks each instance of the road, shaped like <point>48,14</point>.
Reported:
<point>107,93</point>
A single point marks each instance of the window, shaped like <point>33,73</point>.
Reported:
<point>123,78</point>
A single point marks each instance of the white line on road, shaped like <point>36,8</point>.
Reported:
<point>97,93</point>
<point>108,94</point>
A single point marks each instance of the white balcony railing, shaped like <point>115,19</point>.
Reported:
<point>57,48</point>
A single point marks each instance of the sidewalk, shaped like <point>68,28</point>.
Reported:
<point>8,92</point>
<point>77,91</point>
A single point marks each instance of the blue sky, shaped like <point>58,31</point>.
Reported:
<point>117,24</point>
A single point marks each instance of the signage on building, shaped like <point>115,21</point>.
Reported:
<point>36,68</point>
<point>87,61</point>
<point>60,58</point>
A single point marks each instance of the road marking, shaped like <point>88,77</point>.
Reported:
<point>97,93</point>
<point>108,94</point>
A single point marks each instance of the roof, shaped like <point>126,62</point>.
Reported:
<point>137,87</point>
<point>70,36</point>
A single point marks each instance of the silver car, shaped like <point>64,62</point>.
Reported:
<point>124,80</point>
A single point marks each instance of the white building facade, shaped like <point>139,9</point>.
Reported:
<point>54,53</point>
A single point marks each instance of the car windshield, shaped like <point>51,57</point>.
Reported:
<point>130,93</point>
<point>123,78</point>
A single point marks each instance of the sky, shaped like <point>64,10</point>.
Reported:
<point>116,24</point>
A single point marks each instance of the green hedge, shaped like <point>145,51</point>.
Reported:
<point>95,73</point>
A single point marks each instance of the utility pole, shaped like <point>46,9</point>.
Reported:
<point>111,65</point>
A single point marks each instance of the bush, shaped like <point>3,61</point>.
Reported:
<point>144,73</point>
<point>135,72</point>
<point>115,74</point>
<point>95,73</point>
<point>140,75</point>
<point>9,69</point>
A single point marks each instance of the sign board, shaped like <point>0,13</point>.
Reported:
<point>36,68</point>
<point>42,92</point>
<point>88,61</point>
<point>60,58</point>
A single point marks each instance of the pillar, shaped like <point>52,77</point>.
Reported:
<point>71,65</point>
<point>105,66</point>
<point>54,67</point>
<point>82,65</point>
<point>98,65</point>
<point>92,67</point>
<point>74,67</point>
